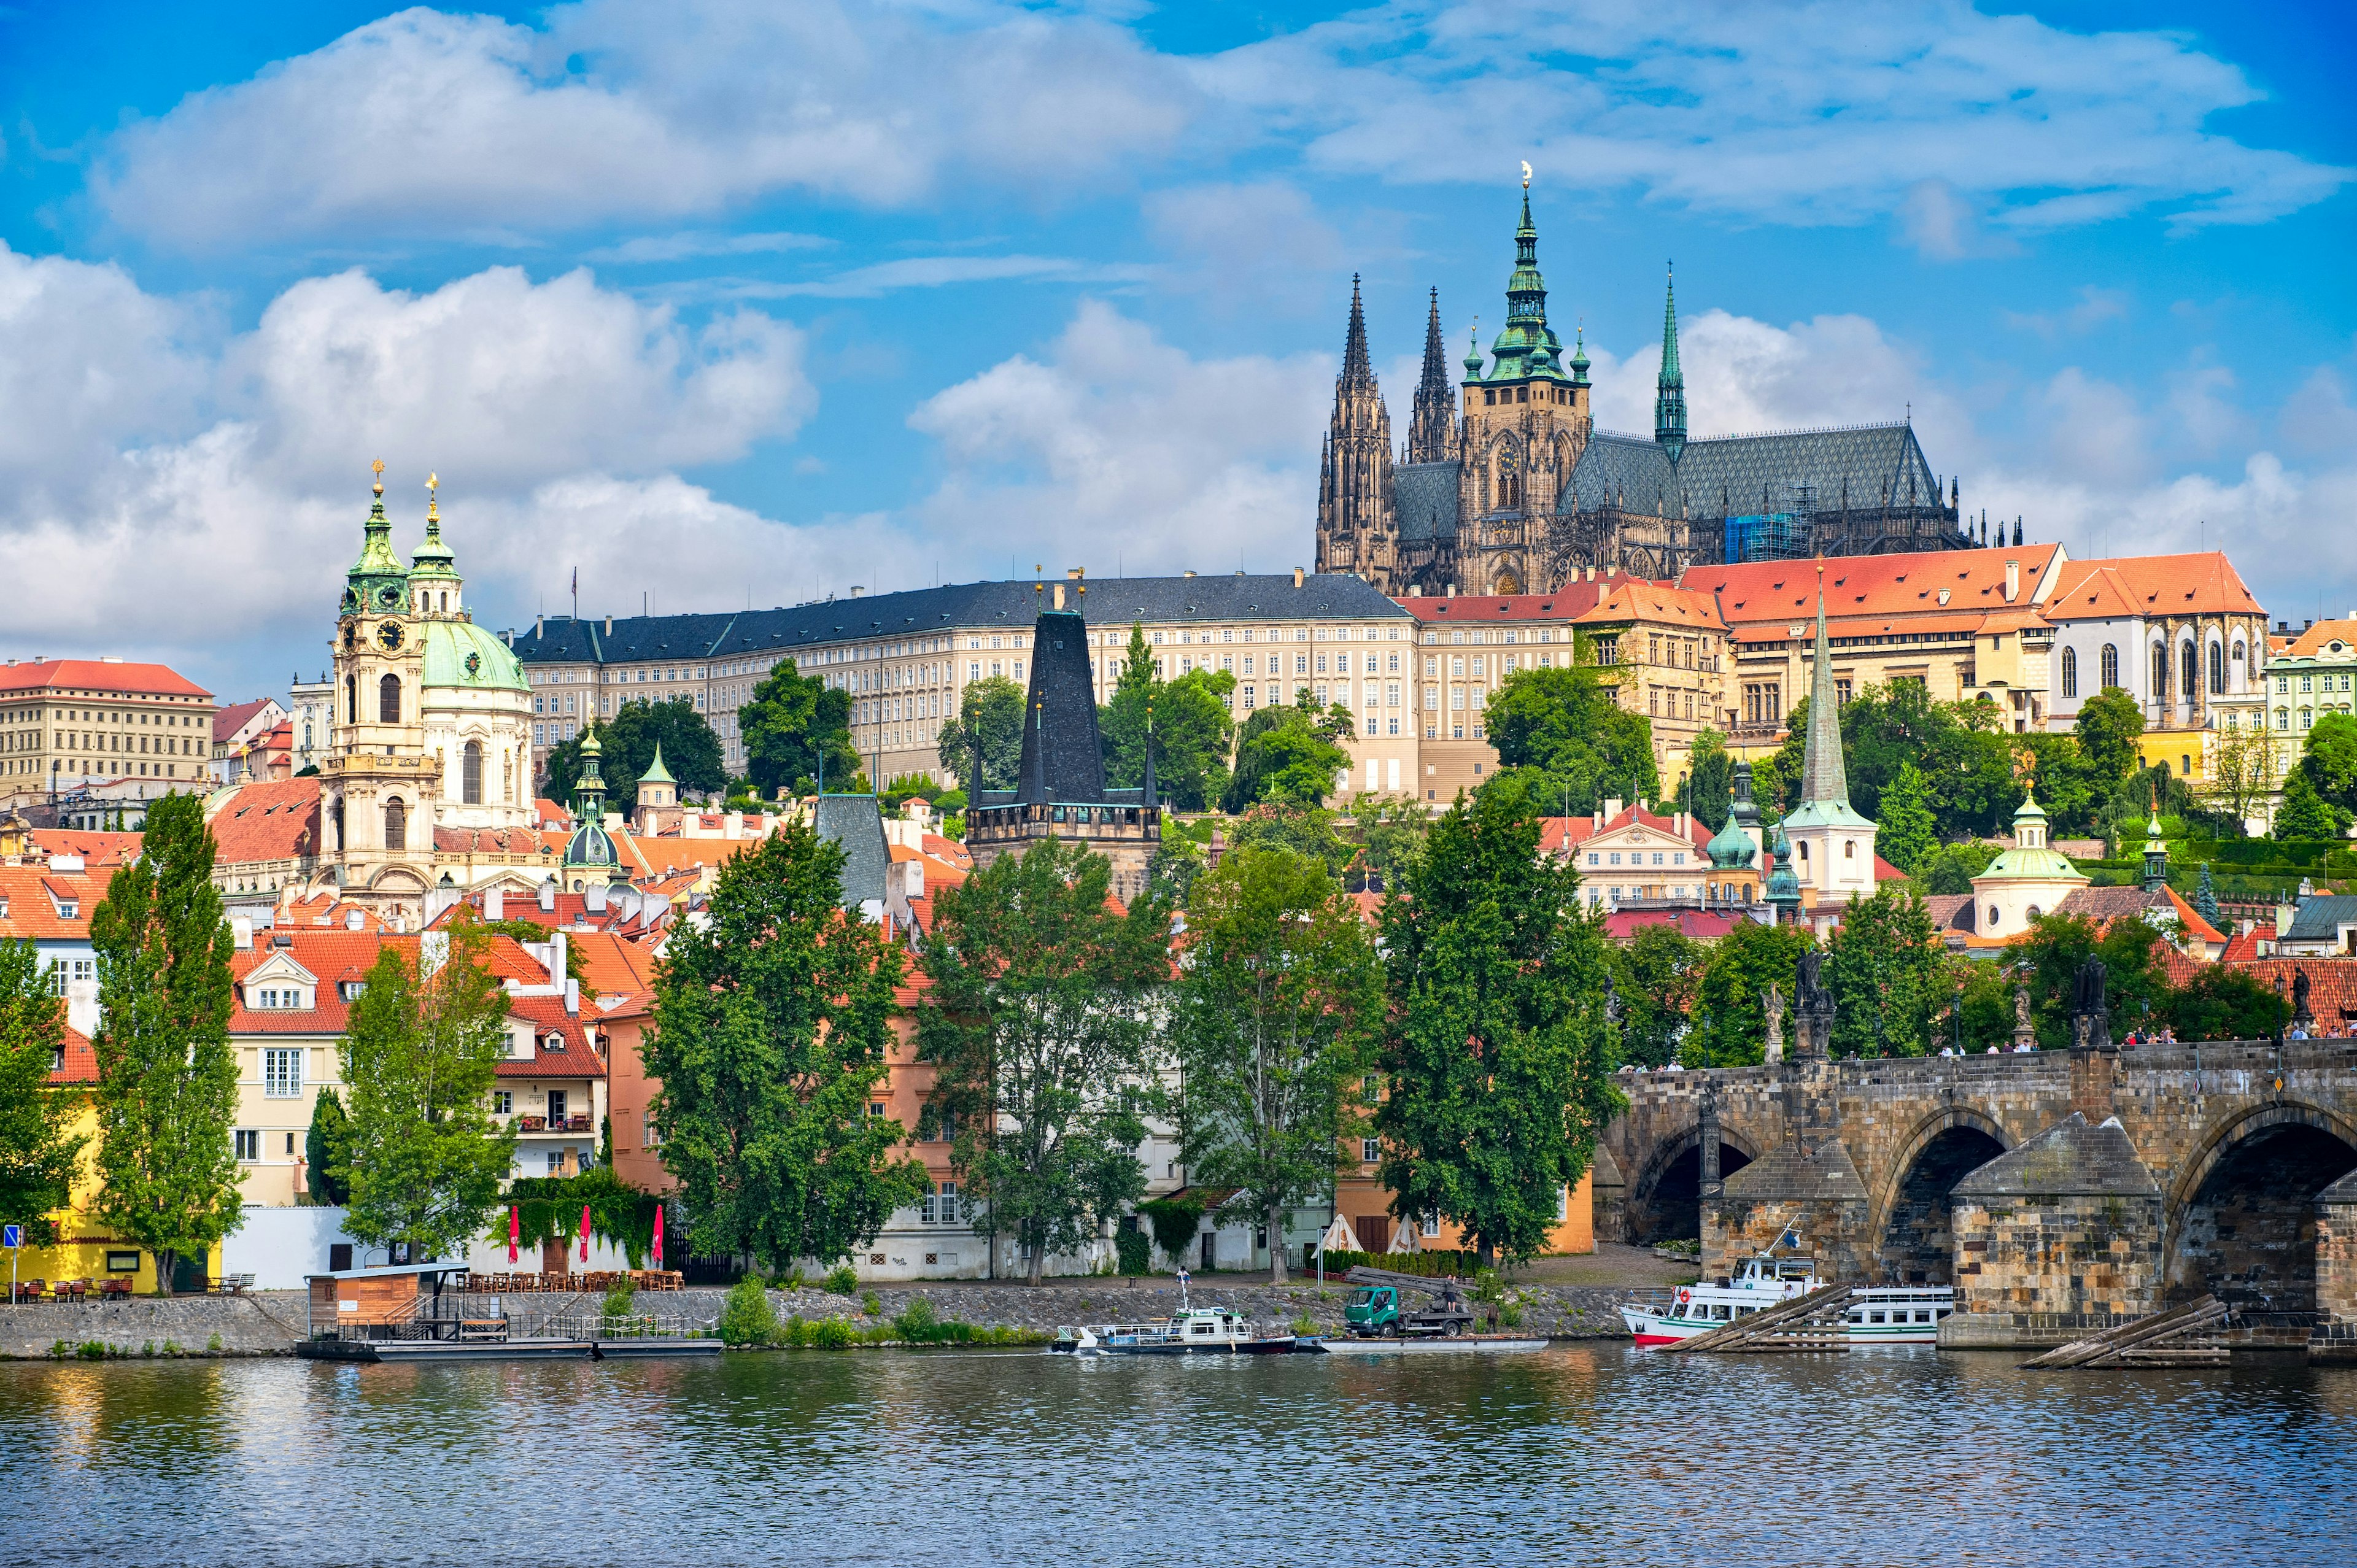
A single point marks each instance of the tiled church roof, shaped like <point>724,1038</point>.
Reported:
<point>1423,499</point>
<point>1860,467</point>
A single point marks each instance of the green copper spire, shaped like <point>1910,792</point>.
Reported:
<point>1473,350</point>
<point>1579,355</point>
<point>433,559</point>
<point>1825,778</point>
<point>1528,349</point>
<point>1670,388</point>
<point>656,772</point>
<point>377,580</point>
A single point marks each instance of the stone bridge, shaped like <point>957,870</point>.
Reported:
<point>2055,1189</point>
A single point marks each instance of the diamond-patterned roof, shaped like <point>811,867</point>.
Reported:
<point>1424,497</point>
<point>1736,475</point>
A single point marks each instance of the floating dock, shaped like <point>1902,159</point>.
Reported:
<point>517,1349</point>
<point>1436,1345</point>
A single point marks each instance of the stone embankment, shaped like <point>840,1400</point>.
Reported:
<point>269,1323</point>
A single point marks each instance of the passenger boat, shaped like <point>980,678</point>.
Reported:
<point>1198,1331</point>
<point>1877,1315</point>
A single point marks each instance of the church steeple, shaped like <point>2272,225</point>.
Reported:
<point>377,581</point>
<point>1670,387</point>
<point>1432,433</point>
<point>1355,529</point>
<point>1528,349</point>
<point>433,578</point>
<point>1824,778</point>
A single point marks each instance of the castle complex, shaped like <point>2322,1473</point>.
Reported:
<point>1514,490</point>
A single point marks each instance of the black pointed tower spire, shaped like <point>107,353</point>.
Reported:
<point>1670,390</point>
<point>1355,532</point>
<point>1432,435</point>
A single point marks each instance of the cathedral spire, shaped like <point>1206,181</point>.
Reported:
<point>1358,367</point>
<point>1354,483</point>
<point>1528,349</point>
<point>1433,432</point>
<point>1824,781</point>
<point>1670,388</point>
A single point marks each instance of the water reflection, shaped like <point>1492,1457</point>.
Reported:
<point>1582,1454</point>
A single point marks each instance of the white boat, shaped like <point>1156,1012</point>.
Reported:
<point>1197,1331</point>
<point>1878,1315</point>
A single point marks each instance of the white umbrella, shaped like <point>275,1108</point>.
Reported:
<point>1403,1236</point>
<point>1340,1237</point>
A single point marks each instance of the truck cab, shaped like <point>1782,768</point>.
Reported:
<point>1372,1310</point>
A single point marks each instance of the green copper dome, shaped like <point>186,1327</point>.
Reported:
<point>1731,849</point>
<point>460,653</point>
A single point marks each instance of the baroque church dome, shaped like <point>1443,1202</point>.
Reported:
<point>460,653</point>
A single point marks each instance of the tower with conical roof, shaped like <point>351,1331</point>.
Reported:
<point>379,783</point>
<point>658,795</point>
<point>1669,385</point>
<point>590,856</point>
<point>1356,530</point>
<point>1432,433</point>
<point>1833,845</point>
<point>1524,421</point>
<point>435,585</point>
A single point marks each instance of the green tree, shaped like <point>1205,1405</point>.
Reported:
<point>1194,731</point>
<point>1951,868</point>
<point>2135,986</point>
<point>1986,991</point>
<point>2328,757</point>
<point>1730,1024</point>
<point>991,712</point>
<point>773,1018</point>
<point>166,1075</point>
<point>2304,814</point>
<point>1887,968</point>
<point>1655,977</point>
<point>796,727</point>
<point>691,751</point>
<point>1567,724</point>
<point>1279,1001</point>
<point>2107,727</point>
<point>1908,834</point>
<point>1499,1054</point>
<point>1305,830</point>
<point>1709,788</point>
<point>327,1151</point>
<point>1390,836</point>
<point>1290,753</point>
<point>2205,897</point>
<point>1121,723</point>
<point>421,1052</point>
<point>1039,1023</point>
<point>2225,1002</point>
<point>39,1147</point>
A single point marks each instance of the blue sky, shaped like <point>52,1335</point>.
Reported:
<point>722,303</point>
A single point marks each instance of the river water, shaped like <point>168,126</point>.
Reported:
<point>1582,1454</point>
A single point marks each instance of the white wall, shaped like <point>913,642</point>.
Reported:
<point>279,1246</point>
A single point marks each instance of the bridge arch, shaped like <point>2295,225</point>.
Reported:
<point>2240,1219</point>
<point>1910,1227</point>
<point>1665,1202</point>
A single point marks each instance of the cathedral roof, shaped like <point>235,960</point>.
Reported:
<point>1423,499</point>
<point>1237,598</point>
<point>1858,466</point>
<point>2199,583</point>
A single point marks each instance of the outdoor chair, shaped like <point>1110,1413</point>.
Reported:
<point>109,1289</point>
<point>30,1290</point>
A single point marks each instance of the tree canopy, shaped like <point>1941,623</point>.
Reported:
<point>1290,753</point>
<point>795,728</point>
<point>991,712</point>
<point>1568,725</point>
<point>691,751</point>
<point>38,1145</point>
<point>1194,730</point>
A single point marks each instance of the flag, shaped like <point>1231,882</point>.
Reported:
<point>659,1235</point>
<point>585,1233</point>
<point>515,1229</point>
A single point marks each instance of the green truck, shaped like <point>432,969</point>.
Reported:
<point>1380,1308</point>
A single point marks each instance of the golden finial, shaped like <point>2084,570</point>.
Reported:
<point>2024,767</point>
<point>433,499</point>
<point>377,468</point>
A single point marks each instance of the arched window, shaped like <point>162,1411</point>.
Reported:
<point>2160,672</point>
<point>442,602</point>
<point>470,774</point>
<point>352,699</point>
<point>396,826</point>
<point>2217,669</point>
<point>2070,671</point>
<point>2110,665</point>
<point>2189,670</point>
<point>388,700</point>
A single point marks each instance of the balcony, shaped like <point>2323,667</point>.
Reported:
<point>553,1124</point>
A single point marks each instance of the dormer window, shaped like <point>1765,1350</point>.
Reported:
<point>350,990</point>
<point>553,1042</point>
<point>68,910</point>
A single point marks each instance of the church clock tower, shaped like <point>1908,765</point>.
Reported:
<point>377,783</point>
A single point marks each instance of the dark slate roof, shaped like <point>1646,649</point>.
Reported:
<point>1423,499</point>
<point>857,824</point>
<point>1061,758</point>
<point>1014,605</point>
<point>2319,919</point>
<point>1735,475</point>
<point>2071,1158</point>
<point>1827,1174</point>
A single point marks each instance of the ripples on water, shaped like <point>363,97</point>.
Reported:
<point>1579,1456</point>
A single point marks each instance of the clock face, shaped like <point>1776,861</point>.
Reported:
<point>388,634</point>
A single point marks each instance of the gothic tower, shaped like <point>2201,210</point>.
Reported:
<point>1356,530</point>
<point>1432,433</point>
<point>1670,386</point>
<point>1526,420</point>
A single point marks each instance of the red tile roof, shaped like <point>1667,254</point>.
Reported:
<point>80,1063</point>
<point>1702,925</point>
<point>33,897</point>
<point>1765,592</point>
<point>1567,603</point>
<point>332,958</point>
<point>274,819</point>
<point>95,848</point>
<point>104,675</point>
<point>2316,638</point>
<point>228,721</point>
<point>2204,582</point>
<point>1644,601</point>
<point>546,1015</point>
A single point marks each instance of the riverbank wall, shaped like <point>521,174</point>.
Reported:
<point>270,1323</point>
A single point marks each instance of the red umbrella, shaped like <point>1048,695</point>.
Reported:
<point>659,1235</point>
<point>585,1233</point>
<point>515,1231</point>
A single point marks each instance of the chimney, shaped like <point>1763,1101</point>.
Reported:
<point>353,921</point>
<point>557,964</point>
<point>857,589</point>
<point>82,1007</point>
<point>1296,576</point>
<point>495,904</point>
<point>1452,590</point>
<point>2012,581</point>
<point>548,896</point>
<point>539,626</point>
<point>1059,596</point>
<point>241,928</point>
<point>610,626</point>
<point>593,897</point>
<point>573,999</point>
<point>1072,573</point>
<point>1612,805</point>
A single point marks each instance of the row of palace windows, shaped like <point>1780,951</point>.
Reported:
<point>2187,664</point>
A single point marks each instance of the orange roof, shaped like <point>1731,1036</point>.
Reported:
<point>276,819</point>
<point>1559,834</point>
<point>612,964</point>
<point>547,1016</point>
<point>106,675</point>
<point>95,848</point>
<point>331,957</point>
<point>1567,603</point>
<point>2319,634</point>
<point>1974,580</point>
<point>2204,582</point>
<point>1645,601</point>
<point>2189,919</point>
<point>81,1062</point>
<point>33,898</point>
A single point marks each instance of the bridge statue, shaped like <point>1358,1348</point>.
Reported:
<point>1771,1003</point>
<point>1813,1009</point>
<point>2090,1020</point>
<point>2025,1037</point>
<point>2300,1012</point>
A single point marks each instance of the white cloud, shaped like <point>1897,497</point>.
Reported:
<point>691,243</point>
<point>937,271</point>
<point>1117,451</point>
<point>232,500</point>
<point>1260,244</point>
<point>468,125</point>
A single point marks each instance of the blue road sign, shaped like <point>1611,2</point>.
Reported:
<point>12,1235</point>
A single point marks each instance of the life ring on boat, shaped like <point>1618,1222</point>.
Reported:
<point>1684,1297</point>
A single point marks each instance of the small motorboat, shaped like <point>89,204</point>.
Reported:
<point>1197,1331</point>
<point>1765,1282</point>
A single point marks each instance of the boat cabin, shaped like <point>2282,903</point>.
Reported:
<point>368,1303</point>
